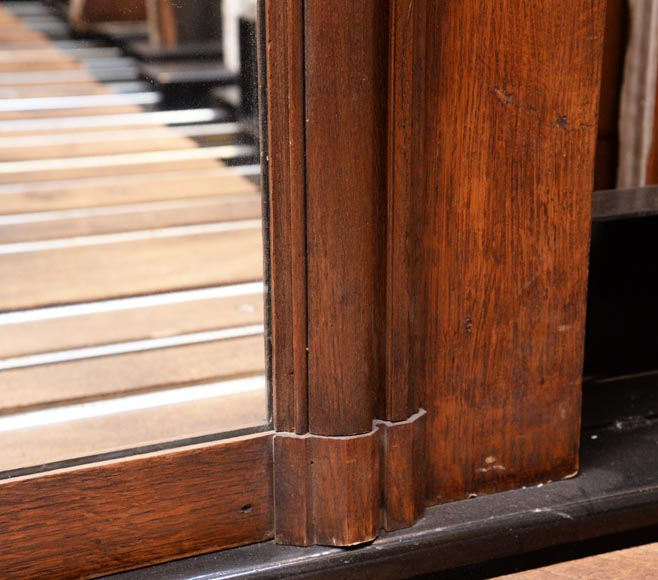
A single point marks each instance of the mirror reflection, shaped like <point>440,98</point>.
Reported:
<point>131,254</point>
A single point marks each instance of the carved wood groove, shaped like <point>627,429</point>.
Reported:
<point>340,491</point>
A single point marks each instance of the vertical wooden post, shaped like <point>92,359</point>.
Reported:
<point>346,71</point>
<point>503,223</point>
<point>284,30</point>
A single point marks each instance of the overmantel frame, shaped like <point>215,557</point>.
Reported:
<point>364,141</point>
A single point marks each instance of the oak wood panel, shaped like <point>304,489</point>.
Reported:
<point>23,449</point>
<point>145,509</point>
<point>287,201</point>
<point>121,190</point>
<point>345,210</point>
<point>203,211</point>
<point>97,378</point>
<point>76,274</point>
<point>504,224</point>
<point>140,323</point>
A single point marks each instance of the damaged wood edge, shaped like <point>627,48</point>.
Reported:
<point>340,491</point>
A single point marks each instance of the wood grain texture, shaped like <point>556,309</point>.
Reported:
<point>118,433</point>
<point>120,190</point>
<point>123,514</point>
<point>405,89</point>
<point>404,471</point>
<point>313,475</point>
<point>25,389</point>
<point>166,141</point>
<point>504,223</point>
<point>78,274</point>
<point>139,218</point>
<point>340,491</point>
<point>287,198</point>
<point>345,95</point>
<point>140,323</point>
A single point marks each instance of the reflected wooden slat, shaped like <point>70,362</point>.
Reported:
<point>130,324</point>
<point>121,190</point>
<point>132,218</point>
<point>97,378</point>
<point>25,448</point>
<point>76,274</point>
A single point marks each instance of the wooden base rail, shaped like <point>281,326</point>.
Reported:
<point>340,491</point>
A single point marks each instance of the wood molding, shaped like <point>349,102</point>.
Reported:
<point>345,94</point>
<point>121,514</point>
<point>339,491</point>
<point>404,180</point>
<point>404,471</point>
<point>284,33</point>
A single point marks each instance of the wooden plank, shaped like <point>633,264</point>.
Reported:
<point>56,113</point>
<point>27,448</point>
<point>142,510</point>
<point>345,212</point>
<point>140,217</point>
<point>287,208</point>
<point>109,171</point>
<point>53,90</point>
<point>76,274</point>
<point>122,189</point>
<point>101,377</point>
<point>74,439</point>
<point>139,323</point>
<point>168,141</point>
<point>54,64</point>
<point>504,223</point>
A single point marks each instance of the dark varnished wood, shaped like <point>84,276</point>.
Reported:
<point>404,471</point>
<point>405,87</point>
<point>285,89</point>
<point>327,489</point>
<point>504,220</point>
<point>345,206</point>
<point>117,515</point>
<point>84,13</point>
<point>340,491</point>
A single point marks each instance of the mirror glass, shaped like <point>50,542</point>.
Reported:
<point>131,249</point>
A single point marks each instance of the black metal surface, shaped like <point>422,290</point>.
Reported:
<point>622,311</point>
<point>188,72</point>
<point>619,204</point>
<point>198,51</point>
<point>616,491</point>
<point>628,400</point>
